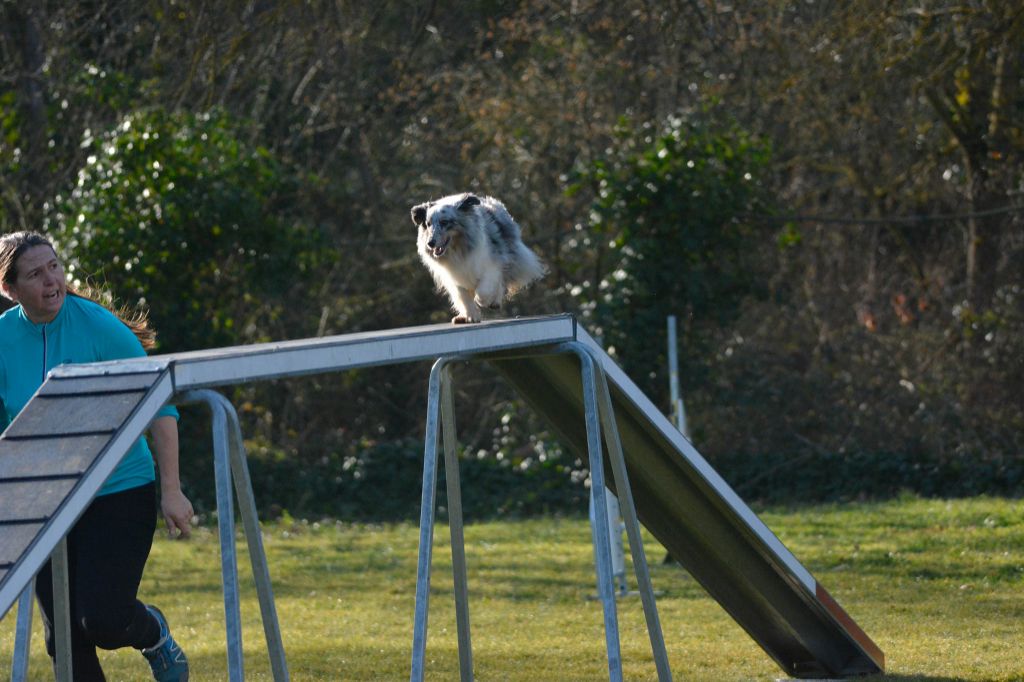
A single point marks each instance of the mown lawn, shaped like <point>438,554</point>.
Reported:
<point>939,585</point>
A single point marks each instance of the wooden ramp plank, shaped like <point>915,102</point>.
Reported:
<point>59,456</point>
<point>14,539</point>
<point>73,414</point>
<point>109,383</point>
<point>25,500</point>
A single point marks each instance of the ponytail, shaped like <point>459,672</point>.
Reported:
<point>135,318</point>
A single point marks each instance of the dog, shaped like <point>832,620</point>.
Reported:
<point>474,251</point>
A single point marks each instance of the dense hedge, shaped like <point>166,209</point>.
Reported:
<point>383,482</point>
<point>831,477</point>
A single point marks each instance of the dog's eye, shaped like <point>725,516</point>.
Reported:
<point>446,223</point>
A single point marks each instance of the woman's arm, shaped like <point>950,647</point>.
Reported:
<point>176,508</point>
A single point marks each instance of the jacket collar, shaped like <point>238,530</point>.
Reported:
<point>40,327</point>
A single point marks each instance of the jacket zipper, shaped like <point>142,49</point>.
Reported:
<point>44,353</point>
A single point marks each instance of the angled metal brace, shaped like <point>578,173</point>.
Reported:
<point>628,510</point>
<point>440,409</point>
<point>61,611</point>
<point>23,635</point>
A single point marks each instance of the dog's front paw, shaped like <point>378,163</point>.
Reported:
<point>464,319</point>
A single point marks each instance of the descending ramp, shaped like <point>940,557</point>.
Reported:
<point>55,456</point>
<point>694,513</point>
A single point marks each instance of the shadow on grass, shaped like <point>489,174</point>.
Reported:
<point>911,678</point>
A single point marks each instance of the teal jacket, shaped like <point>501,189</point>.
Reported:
<point>82,331</point>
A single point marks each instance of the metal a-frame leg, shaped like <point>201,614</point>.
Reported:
<point>600,419</point>
<point>629,517</point>
<point>458,541</point>
<point>257,554</point>
<point>61,621</point>
<point>599,525</point>
<point>60,568</point>
<point>230,464</point>
<point>23,634</point>
<point>598,408</point>
<point>61,611</point>
<point>440,408</point>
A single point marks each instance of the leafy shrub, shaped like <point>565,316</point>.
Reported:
<point>178,212</point>
<point>669,224</point>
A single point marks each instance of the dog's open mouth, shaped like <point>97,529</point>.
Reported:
<point>439,250</point>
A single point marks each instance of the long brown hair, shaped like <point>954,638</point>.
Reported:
<point>14,244</point>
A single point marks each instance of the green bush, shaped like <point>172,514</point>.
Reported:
<point>669,227</point>
<point>176,211</point>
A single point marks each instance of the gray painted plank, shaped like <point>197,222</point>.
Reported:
<point>113,383</point>
<point>14,538</point>
<point>62,416</point>
<point>24,500</point>
<point>49,456</point>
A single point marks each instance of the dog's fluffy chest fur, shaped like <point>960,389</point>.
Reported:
<point>464,266</point>
<point>474,250</point>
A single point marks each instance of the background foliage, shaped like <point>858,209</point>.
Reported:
<point>176,209</point>
<point>853,306</point>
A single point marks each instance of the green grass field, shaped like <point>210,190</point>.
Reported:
<point>939,586</point>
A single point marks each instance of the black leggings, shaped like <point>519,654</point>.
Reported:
<point>107,550</point>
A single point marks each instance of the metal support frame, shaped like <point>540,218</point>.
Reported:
<point>61,621</point>
<point>600,420</point>
<point>61,611</point>
<point>22,634</point>
<point>229,465</point>
<point>440,407</point>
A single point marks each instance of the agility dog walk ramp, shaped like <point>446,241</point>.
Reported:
<point>57,453</point>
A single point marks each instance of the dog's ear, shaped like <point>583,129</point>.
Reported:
<point>468,202</point>
<point>419,213</point>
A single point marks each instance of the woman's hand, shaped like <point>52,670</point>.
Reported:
<point>177,511</point>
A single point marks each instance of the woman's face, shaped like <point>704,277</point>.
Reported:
<point>40,286</point>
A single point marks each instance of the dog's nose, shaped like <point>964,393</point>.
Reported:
<point>431,243</point>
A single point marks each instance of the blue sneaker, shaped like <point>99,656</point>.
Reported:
<point>165,657</point>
